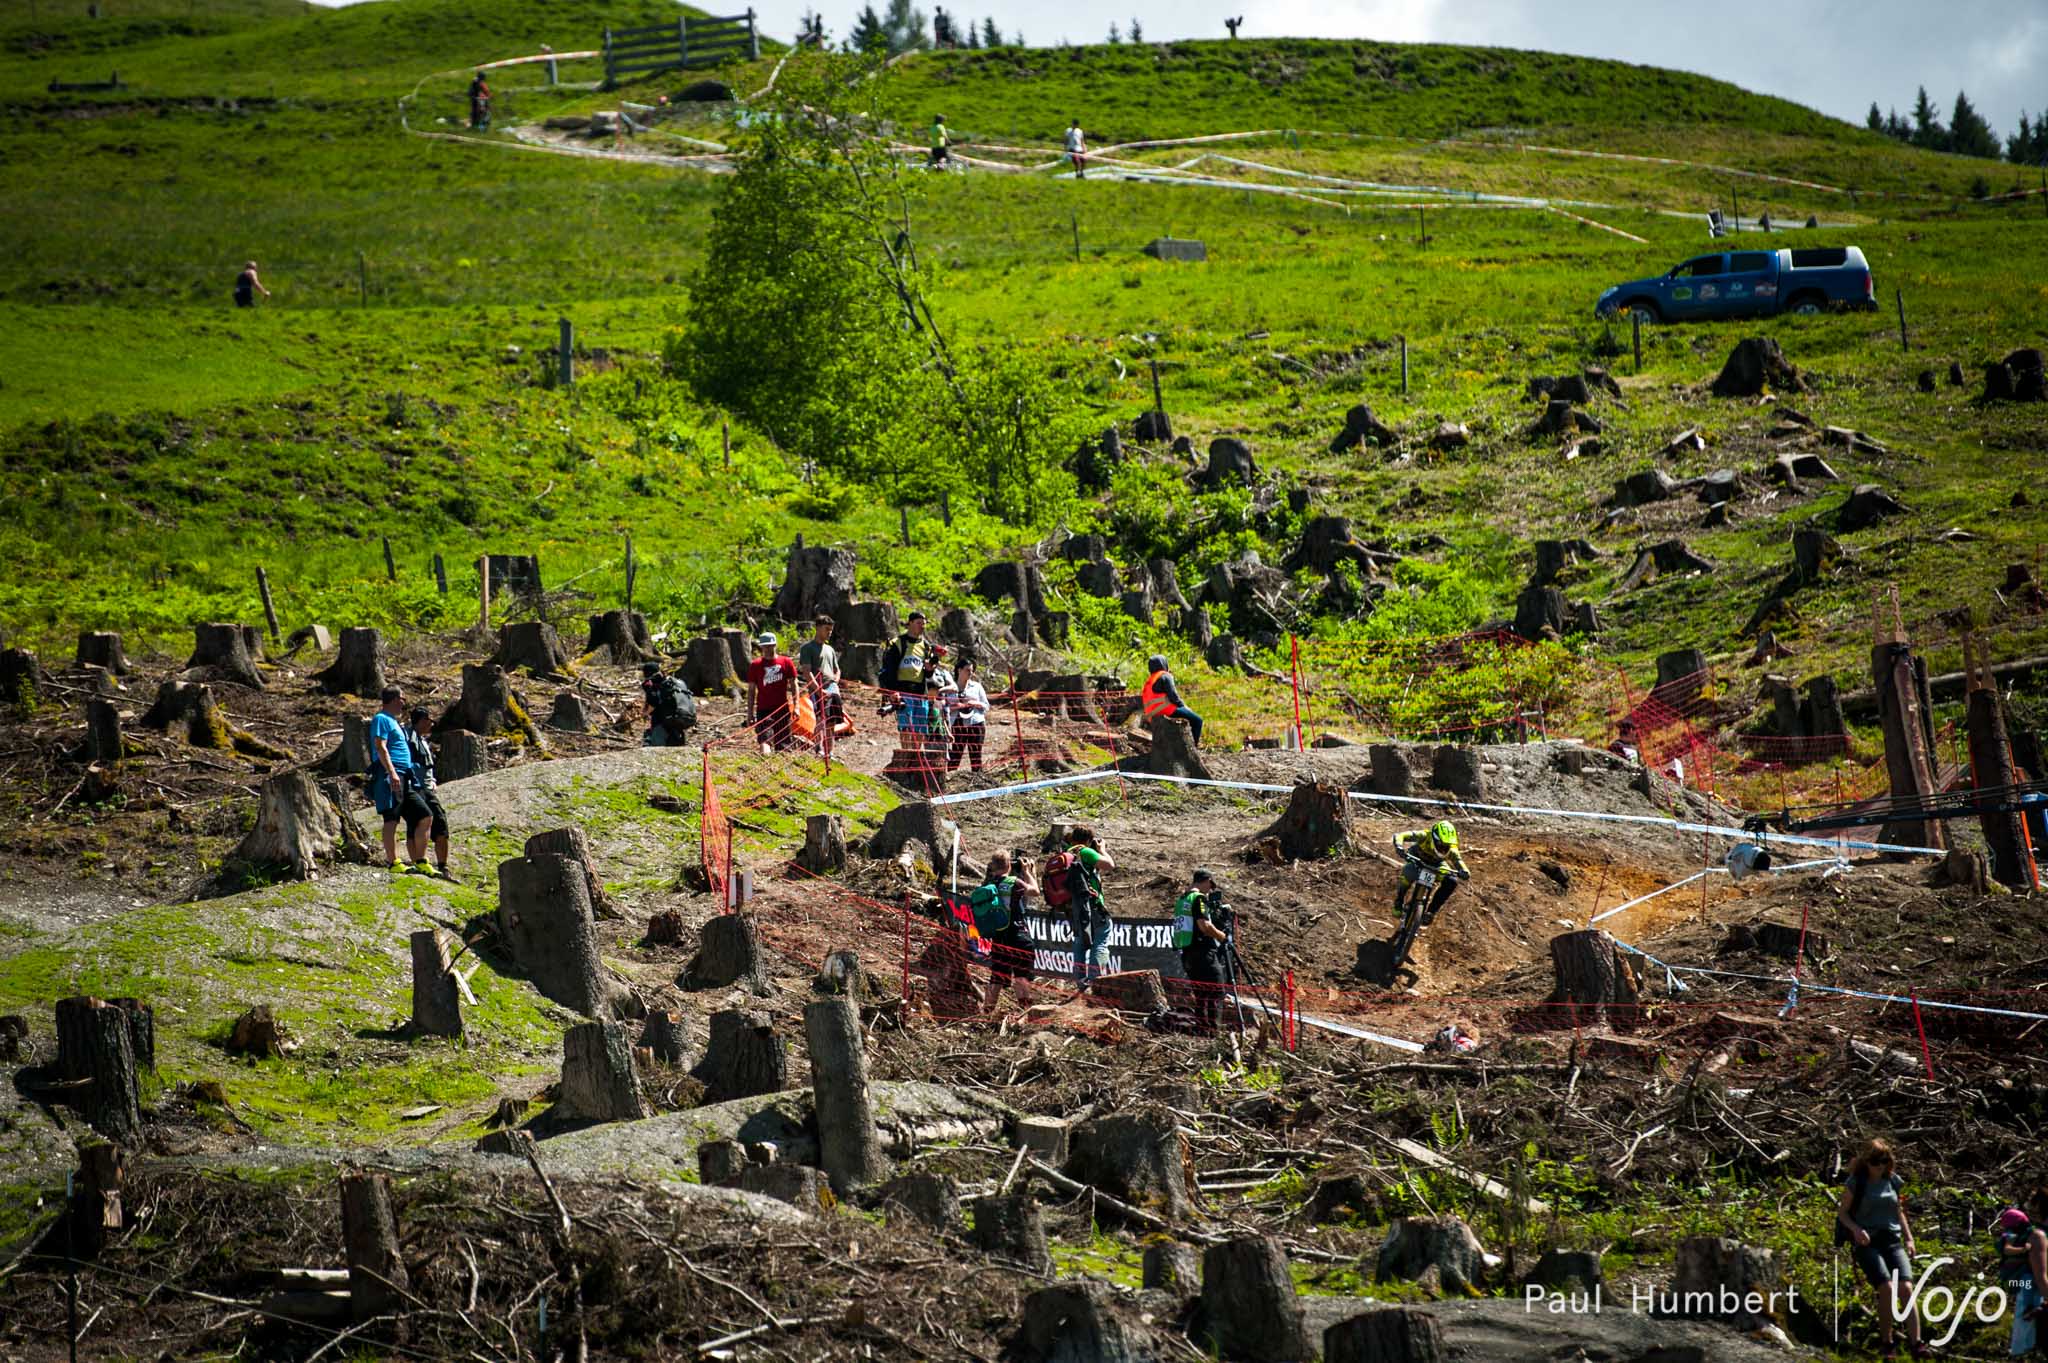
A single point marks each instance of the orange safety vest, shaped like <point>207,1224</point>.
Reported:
<point>1155,702</point>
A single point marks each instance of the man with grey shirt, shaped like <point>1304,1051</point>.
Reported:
<point>817,664</point>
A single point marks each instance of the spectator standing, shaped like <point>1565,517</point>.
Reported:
<point>817,665</point>
<point>2023,1268</point>
<point>771,679</point>
<point>1161,698</point>
<point>1087,910</point>
<point>416,735</point>
<point>942,143</point>
<point>998,905</point>
<point>1871,1217</point>
<point>392,787</point>
<point>671,709</point>
<point>1077,150</point>
<point>970,719</point>
<point>906,671</point>
<point>479,103</point>
<point>247,286</point>
<point>1200,931</point>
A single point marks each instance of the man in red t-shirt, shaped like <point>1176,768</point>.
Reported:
<point>769,679</point>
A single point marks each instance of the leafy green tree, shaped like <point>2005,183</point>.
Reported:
<point>812,316</point>
<point>991,36</point>
<point>906,27</point>
<point>1927,130</point>
<point>868,35</point>
<point>1968,133</point>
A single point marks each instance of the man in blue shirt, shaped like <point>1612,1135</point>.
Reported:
<point>393,788</point>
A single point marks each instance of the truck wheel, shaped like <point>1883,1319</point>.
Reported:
<point>1643,306</point>
<point>1809,305</point>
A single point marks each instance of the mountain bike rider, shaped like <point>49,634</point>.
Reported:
<point>1434,849</point>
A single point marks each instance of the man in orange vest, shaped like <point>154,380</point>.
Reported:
<point>1162,698</point>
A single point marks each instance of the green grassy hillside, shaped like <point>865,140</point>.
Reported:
<point>161,445</point>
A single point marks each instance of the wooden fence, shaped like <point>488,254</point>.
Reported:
<point>682,44</point>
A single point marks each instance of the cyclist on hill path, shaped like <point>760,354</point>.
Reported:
<point>1435,849</point>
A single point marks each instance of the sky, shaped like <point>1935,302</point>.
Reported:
<point>1833,55</point>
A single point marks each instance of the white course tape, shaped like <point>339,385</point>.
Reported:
<point>1346,1029</point>
<point>1834,864</point>
<point>1810,986</point>
<point>1366,797</point>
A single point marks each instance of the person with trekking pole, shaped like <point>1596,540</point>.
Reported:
<point>1200,929</point>
<point>1870,1216</point>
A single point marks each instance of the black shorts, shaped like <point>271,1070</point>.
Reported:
<point>1011,954</point>
<point>409,807</point>
<point>432,800</point>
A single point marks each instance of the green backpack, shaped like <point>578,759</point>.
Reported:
<point>990,904</point>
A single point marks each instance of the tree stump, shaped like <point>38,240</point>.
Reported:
<point>1560,1269</point>
<point>570,713</point>
<point>351,756</point>
<point>720,1163</point>
<point>358,669</point>
<point>102,734</point>
<point>848,1145</point>
<point>912,821</point>
<point>728,953</point>
<point>1138,1157</point>
<point>544,918</point>
<point>797,1184</point>
<point>1097,578</point>
<point>1868,505</point>
<point>141,1032</point>
<point>258,1034</point>
<point>1594,978</point>
<point>824,849</point>
<point>739,646</point>
<point>533,645</point>
<point>1457,770</point>
<point>1417,1244</point>
<point>622,637</point>
<point>818,580</point>
<point>1172,1266</point>
<point>1541,612</point>
<point>95,1044</point>
<point>1821,710</point>
<point>1395,1334</point>
<point>864,622</point>
<point>297,827</point>
<point>1315,824</point>
<point>1008,1227</point>
<point>436,1001</point>
<point>1076,1322</point>
<point>96,1198</point>
<point>1361,425</point>
<point>707,668</point>
<point>862,663</point>
<point>745,1057</point>
<point>1681,675</point>
<point>667,1037</point>
<point>1173,750</point>
<point>1964,870</point>
<point>1755,364</point>
<point>459,755</point>
<point>1249,1303</point>
<point>569,841</point>
<point>1814,556</point>
<point>488,707</point>
<point>1131,991</point>
<point>220,652</point>
<point>1726,1280</point>
<point>1390,773</point>
<point>377,1280</point>
<point>599,1081</point>
<point>22,679</point>
<point>933,1200</point>
<point>842,975</point>
<point>101,650</point>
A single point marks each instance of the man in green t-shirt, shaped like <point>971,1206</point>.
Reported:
<point>1200,925</point>
<point>1087,911</point>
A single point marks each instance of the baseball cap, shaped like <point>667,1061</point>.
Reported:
<point>1204,873</point>
<point>765,641</point>
<point>649,668</point>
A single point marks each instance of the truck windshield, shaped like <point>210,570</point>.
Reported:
<point>1749,262</point>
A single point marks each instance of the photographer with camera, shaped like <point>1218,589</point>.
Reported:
<point>1201,929</point>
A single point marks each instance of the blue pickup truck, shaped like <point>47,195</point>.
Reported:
<point>1748,284</point>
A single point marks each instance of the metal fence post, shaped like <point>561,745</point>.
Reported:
<point>683,42</point>
<point>609,81</point>
<point>568,353</point>
<point>753,37</point>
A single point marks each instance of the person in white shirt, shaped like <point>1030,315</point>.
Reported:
<point>970,718</point>
<point>1077,150</point>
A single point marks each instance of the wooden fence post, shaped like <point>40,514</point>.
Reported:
<point>362,279</point>
<point>390,566</point>
<point>1900,294</point>
<point>1074,218</point>
<point>725,440</point>
<point>1635,316</point>
<point>269,610</point>
<point>440,574</point>
<point>483,591</point>
<point>568,353</point>
<point>1404,366</point>
<point>629,571</point>
<point>903,519</point>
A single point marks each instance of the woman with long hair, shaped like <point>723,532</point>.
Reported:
<point>1871,1217</point>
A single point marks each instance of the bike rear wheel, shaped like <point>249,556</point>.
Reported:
<point>1404,939</point>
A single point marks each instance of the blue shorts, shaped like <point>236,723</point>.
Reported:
<point>2025,1330</point>
<point>913,712</point>
<point>1880,1262</point>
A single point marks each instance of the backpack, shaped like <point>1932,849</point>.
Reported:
<point>991,907</point>
<point>674,702</point>
<point>1052,880</point>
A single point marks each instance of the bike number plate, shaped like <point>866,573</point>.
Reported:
<point>1425,877</point>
